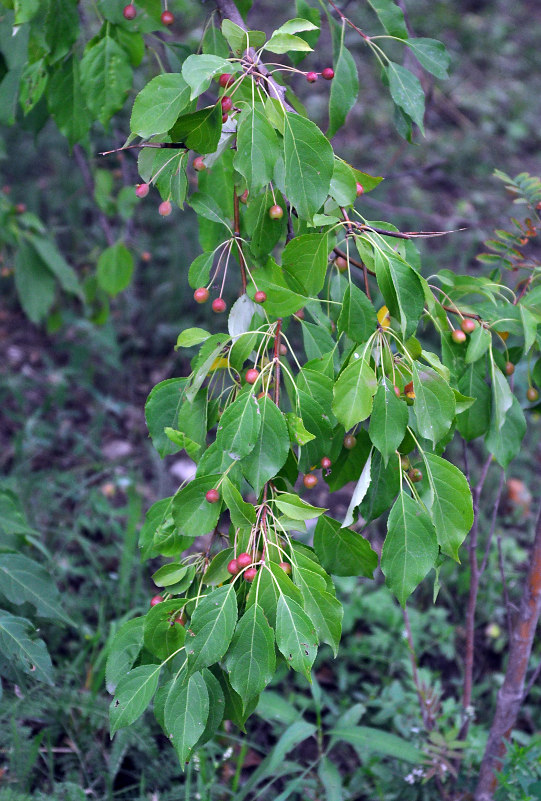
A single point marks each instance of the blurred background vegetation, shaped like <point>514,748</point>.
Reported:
<point>74,445</point>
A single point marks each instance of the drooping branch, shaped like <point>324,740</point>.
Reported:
<point>511,693</point>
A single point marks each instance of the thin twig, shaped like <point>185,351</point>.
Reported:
<point>349,22</point>
<point>414,671</point>
<point>242,264</point>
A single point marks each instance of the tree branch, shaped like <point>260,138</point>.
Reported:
<point>511,693</point>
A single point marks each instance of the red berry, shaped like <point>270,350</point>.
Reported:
<point>244,560</point>
<point>227,104</point>
<point>349,442</point>
<point>167,18</point>
<point>212,496</point>
<point>415,475</point>
<point>219,305</point>
<point>199,164</point>
<point>225,80</point>
<point>311,77</point>
<point>250,574</point>
<point>325,463</point>
<point>224,118</point>
<point>165,208</point>
<point>300,314</point>
<point>276,212</point>
<point>360,189</point>
<point>156,600</point>
<point>260,296</point>
<point>286,567</point>
<point>396,391</point>
<point>283,349</point>
<point>233,567</point>
<point>509,368</point>
<point>328,73</point>
<point>20,208</point>
<point>130,12</point>
<point>468,325</point>
<point>310,480</point>
<point>142,190</point>
<point>458,336</point>
<point>180,619</point>
<point>146,255</point>
<point>341,263</point>
<point>532,394</point>
<point>201,295</point>
<point>251,375</point>
<point>244,197</point>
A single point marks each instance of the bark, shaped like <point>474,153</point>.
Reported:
<point>511,694</point>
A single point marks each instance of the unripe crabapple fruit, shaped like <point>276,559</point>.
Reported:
<point>458,336</point>
<point>165,208</point>
<point>360,189</point>
<point>199,164</point>
<point>219,305</point>
<point>157,599</point>
<point>276,212</point>
<point>341,263</point>
<point>327,73</point>
<point>309,480</point>
<point>225,80</point>
<point>167,18</point>
<point>509,368</point>
<point>468,325</point>
<point>325,462</point>
<point>311,77</point>
<point>251,375</point>
<point>227,104</point>
<point>130,12</point>
<point>212,496</point>
<point>286,567</point>
<point>260,296</point>
<point>250,574</point>
<point>532,394</point>
<point>201,295</point>
<point>233,567</point>
<point>349,442</point>
<point>415,475</point>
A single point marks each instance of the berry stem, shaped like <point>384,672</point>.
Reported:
<point>236,223</point>
<point>277,365</point>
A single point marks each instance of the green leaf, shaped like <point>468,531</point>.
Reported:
<point>305,260</point>
<point>297,432</point>
<point>295,635</point>
<point>502,397</point>
<point>115,269</point>
<point>217,572</point>
<point>199,70</point>
<point>358,317</point>
<point>344,88</point>
<point>402,291</point>
<point>506,442</point>
<point>216,707</point>
<point>214,42</point>
<point>448,499</point>
<point>296,26</point>
<point>359,492</point>
<point>295,508</point>
<point>133,694</point>
<point>16,645</point>
<point>383,489</point>
<point>239,427</point>
<point>281,301</point>
<point>330,778</point>
<point>343,552</point>
<point>199,272</point>
<point>323,609</point>
<point>388,421</point>
<point>242,514</point>
<point>264,233</point>
<point>106,78</point>
<point>309,164</point>
<point>123,651</point>
<point>199,130</point>
<point>34,282</point>
<point>66,102</point>
<point>354,392</point>
<point>366,738</point>
<point>432,55</point>
<point>169,574</point>
<point>271,447</point>
<point>474,421</point>
<point>190,337</point>
<point>158,104</point>
<point>161,411</point>
<point>162,636</point>
<point>211,628</point>
<point>257,149</point>
<point>270,583</point>
<point>239,39</point>
<point>287,42</point>
<point>186,713</point>
<point>407,92</point>
<point>192,513</point>
<point>478,344</point>
<point>343,183</point>
<point>24,580</point>
<point>410,549</point>
<point>434,404</point>
<point>251,661</point>
<point>391,17</point>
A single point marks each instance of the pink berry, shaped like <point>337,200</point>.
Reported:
<point>225,80</point>
<point>156,600</point>
<point>142,190</point>
<point>244,560</point>
<point>167,18</point>
<point>251,375</point>
<point>199,164</point>
<point>250,574</point>
<point>325,462</point>
<point>360,189</point>
<point>165,208</point>
<point>286,567</point>
<point>233,567</point>
<point>201,295</point>
<point>276,212</point>
<point>212,496</point>
<point>130,11</point>
<point>219,305</point>
<point>311,77</point>
<point>260,296</point>
<point>328,74</point>
<point>227,104</point>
